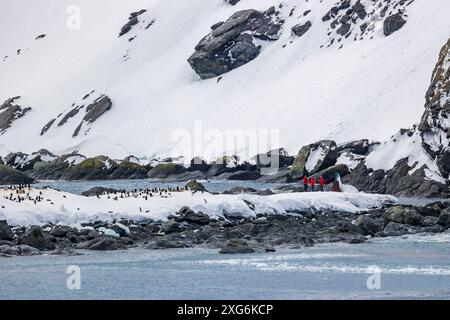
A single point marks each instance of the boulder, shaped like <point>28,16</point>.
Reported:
<point>300,29</point>
<point>172,226</point>
<point>277,158</point>
<point>194,217</point>
<point>369,225</point>
<point>235,246</point>
<point>298,167</point>
<point>444,219</point>
<point>198,164</point>
<point>393,23</point>
<point>35,238</point>
<point>103,243</point>
<point>329,174</point>
<point>62,231</point>
<point>5,231</point>
<point>231,44</point>
<point>404,215</point>
<point>194,185</point>
<point>94,111</point>
<point>361,147</point>
<point>10,176</point>
<point>98,191</point>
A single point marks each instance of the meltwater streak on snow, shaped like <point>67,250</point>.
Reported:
<point>368,89</point>
<point>66,208</point>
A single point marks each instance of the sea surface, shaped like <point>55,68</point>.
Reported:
<point>413,267</point>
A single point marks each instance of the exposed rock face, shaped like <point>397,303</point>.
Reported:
<point>397,181</point>
<point>5,231</point>
<point>24,162</point>
<point>274,158</point>
<point>76,167</point>
<point>10,112</point>
<point>35,238</point>
<point>132,21</point>
<point>361,147</point>
<point>329,174</point>
<point>231,44</point>
<point>300,29</point>
<point>435,124</point>
<point>10,176</point>
<point>314,158</point>
<point>94,111</point>
<point>393,23</point>
<point>164,170</point>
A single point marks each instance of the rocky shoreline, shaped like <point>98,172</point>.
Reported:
<point>190,229</point>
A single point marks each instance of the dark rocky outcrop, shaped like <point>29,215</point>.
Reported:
<point>164,170</point>
<point>94,111</point>
<point>329,174</point>
<point>231,44</point>
<point>133,20</point>
<point>393,23</point>
<point>194,185</point>
<point>397,181</point>
<point>35,238</point>
<point>10,176</point>
<point>5,231</point>
<point>325,155</point>
<point>98,191</point>
<point>300,29</point>
<point>277,158</point>
<point>47,126</point>
<point>10,112</point>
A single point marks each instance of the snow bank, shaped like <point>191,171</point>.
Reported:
<point>65,208</point>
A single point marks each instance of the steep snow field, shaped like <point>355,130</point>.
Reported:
<point>367,89</point>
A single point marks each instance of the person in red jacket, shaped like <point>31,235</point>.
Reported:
<point>305,183</point>
<point>321,183</point>
<point>312,182</point>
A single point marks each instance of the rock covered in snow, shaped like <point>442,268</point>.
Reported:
<point>314,158</point>
<point>94,111</point>
<point>393,23</point>
<point>231,44</point>
<point>10,111</point>
<point>301,28</point>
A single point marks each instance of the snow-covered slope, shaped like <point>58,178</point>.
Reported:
<point>369,88</point>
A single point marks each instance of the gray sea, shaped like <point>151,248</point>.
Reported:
<point>414,267</point>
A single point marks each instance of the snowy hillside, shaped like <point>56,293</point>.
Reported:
<point>317,86</point>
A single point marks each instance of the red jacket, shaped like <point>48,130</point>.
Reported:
<point>305,180</point>
<point>312,181</point>
<point>322,181</point>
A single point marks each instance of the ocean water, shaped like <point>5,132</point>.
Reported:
<point>416,267</point>
<point>77,187</point>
